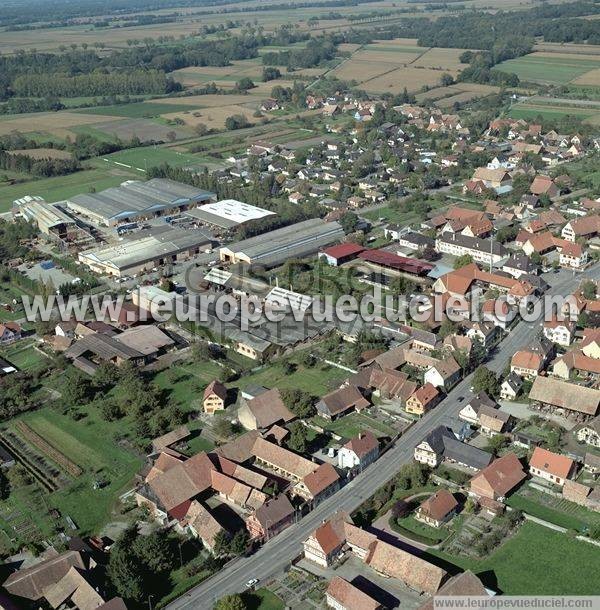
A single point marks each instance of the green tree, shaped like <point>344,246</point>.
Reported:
<point>4,486</point>
<point>124,568</point>
<point>231,602</point>
<point>588,290</point>
<point>486,381</point>
<point>496,443</point>
<point>299,402</point>
<point>349,222</point>
<point>297,440</point>
<point>462,261</point>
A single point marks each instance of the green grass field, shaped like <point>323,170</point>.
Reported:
<point>148,156</point>
<point>421,532</point>
<point>555,510</point>
<point>92,444</point>
<point>63,187</point>
<point>532,111</point>
<point>137,110</point>
<point>183,382</point>
<point>349,426</point>
<point>536,561</point>
<point>555,70</point>
<point>317,380</point>
<point>24,355</point>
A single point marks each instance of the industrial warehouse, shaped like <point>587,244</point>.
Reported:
<point>228,214</point>
<point>135,200</point>
<point>150,249</point>
<point>271,249</point>
<point>53,222</point>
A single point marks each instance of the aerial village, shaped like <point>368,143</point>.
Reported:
<point>371,446</point>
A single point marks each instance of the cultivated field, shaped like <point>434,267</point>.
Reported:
<point>442,59</point>
<point>397,80</point>
<point>57,123</point>
<point>461,92</point>
<point>551,68</point>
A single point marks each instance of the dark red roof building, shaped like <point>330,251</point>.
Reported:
<point>340,254</point>
<point>395,262</point>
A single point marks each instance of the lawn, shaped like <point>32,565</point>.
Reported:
<point>349,426</point>
<point>24,355</point>
<point>532,111</point>
<point>536,561</point>
<point>263,599</point>
<point>317,380</point>
<point>148,156</point>
<point>556,70</point>
<point>421,532</point>
<point>137,110</point>
<point>553,509</point>
<point>62,187</point>
<point>185,382</point>
<point>93,444</point>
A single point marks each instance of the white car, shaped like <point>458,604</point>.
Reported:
<point>251,583</point>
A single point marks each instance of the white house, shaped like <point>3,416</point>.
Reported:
<point>360,451</point>
<point>559,332</point>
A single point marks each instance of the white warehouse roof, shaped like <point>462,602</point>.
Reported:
<point>228,213</point>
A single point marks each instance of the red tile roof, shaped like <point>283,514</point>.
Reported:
<point>553,463</point>
<point>343,250</point>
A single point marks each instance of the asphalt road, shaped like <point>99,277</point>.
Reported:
<point>273,556</point>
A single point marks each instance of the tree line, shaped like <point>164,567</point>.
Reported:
<point>97,83</point>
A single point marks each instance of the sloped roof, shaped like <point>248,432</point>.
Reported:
<point>268,408</point>
<point>31,583</point>
<point>415,572</point>
<point>323,477</point>
<point>439,505</point>
<point>503,474</point>
<point>349,596</point>
<point>553,463</point>
<point>566,395</point>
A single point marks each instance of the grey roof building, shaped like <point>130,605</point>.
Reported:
<point>136,200</point>
<point>445,444</point>
<point>273,248</point>
<point>146,250</point>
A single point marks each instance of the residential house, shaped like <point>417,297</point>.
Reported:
<point>499,478</point>
<point>589,432</point>
<point>511,386</point>
<point>271,518</point>
<point>493,421</point>
<point>581,228</point>
<point>591,463</point>
<point>572,256</point>
<point>215,395</point>
<point>544,185</point>
<point>341,401</point>
<point>438,509</point>
<point>481,250</point>
<point>463,584</point>
<point>441,445</point>
<point>342,595</point>
<point>470,412</point>
<point>359,451</point>
<point>550,466</point>
<point>576,362</point>
<point>266,409</point>
<point>527,363</point>
<point>443,373</point>
<point>423,400</point>
<point>9,332</point>
<point>560,332</point>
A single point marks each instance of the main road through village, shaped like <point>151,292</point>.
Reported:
<point>277,553</point>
